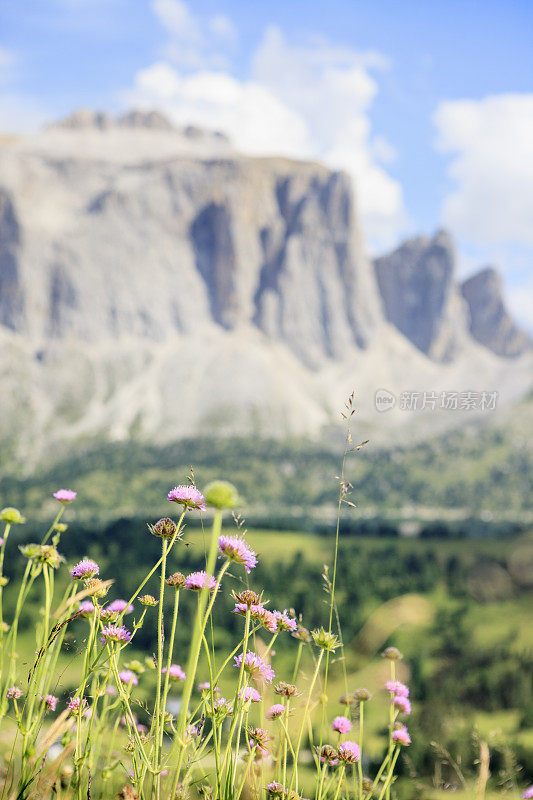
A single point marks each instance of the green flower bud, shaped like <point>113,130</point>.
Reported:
<point>12,515</point>
<point>325,640</point>
<point>221,495</point>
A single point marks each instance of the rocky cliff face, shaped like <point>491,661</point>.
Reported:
<point>156,284</point>
<point>421,297</point>
<point>490,323</point>
<point>97,249</point>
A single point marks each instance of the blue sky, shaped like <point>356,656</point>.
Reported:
<point>429,105</point>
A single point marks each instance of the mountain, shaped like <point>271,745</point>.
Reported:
<point>490,322</point>
<point>156,284</point>
<point>421,297</point>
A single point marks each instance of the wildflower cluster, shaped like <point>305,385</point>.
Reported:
<point>153,726</point>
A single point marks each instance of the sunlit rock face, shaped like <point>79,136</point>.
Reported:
<point>489,320</point>
<point>156,284</point>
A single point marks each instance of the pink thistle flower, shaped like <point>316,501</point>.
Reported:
<point>267,618</point>
<point>528,794</point>
<point>250,694</point>
<point>236,549</point>
<point>86,607</point>
<point>197,581</point>
<point>341,725</point>
<point>175,672</point>
<point>284,622</point>
<point>276,789</point>
<point>192,731</point>
<point>401,736</point>
<point>397,688</point>
<point>275,711</point>
<point>86,568</point>
<point>402,704</point>
<point>205,686</point>
<point>187,496</point>
<point>65,495</point>
<point>74,704</point>
<point>349,752</point>
<point>120,607</point>
<point>14,693</point>
<point>128,676</point>
<point>116,633</point>
<point>50,701</point>
<point>256,667</point>
<point>260,613</point>
<point>1,541</point>
<point>222,706</point>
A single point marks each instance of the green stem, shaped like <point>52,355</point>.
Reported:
<point>302,726</point>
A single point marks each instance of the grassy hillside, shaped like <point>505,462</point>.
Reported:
<point>473,472</point>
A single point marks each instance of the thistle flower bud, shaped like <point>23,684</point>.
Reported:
<point>325,640</point>
<point>328,755</point>
<point>259,736</point>
<point>392,654</point>
<point>12,516</point>
<point>130,746</point>
<point>4,581</point>
<point>286,689</point>
<point>164,528</point>
<point>60,527</point>
<point>42,554</point>
<point>368,786</point>
<point>148,600</point>
<point>361,695</point>
<point>221,495</point>
<point>177,580</point>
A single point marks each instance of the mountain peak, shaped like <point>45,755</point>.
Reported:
<point>490,322</point>
<point>420,296</point>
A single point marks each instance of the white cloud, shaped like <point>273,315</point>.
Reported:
<point>177,19</point>
<point>491,142</point>
<point>223,27</point>
<point>254,118</point>
<point>310,100</point>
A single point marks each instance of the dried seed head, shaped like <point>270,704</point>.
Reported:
<point>392,654</point>
<point>361,695</point>
<point>368,786</point>
<point>286,689</point>
<point>148,600</point>
<point>164,528</point>
<point>177,580</point>
<point>248,597</point>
